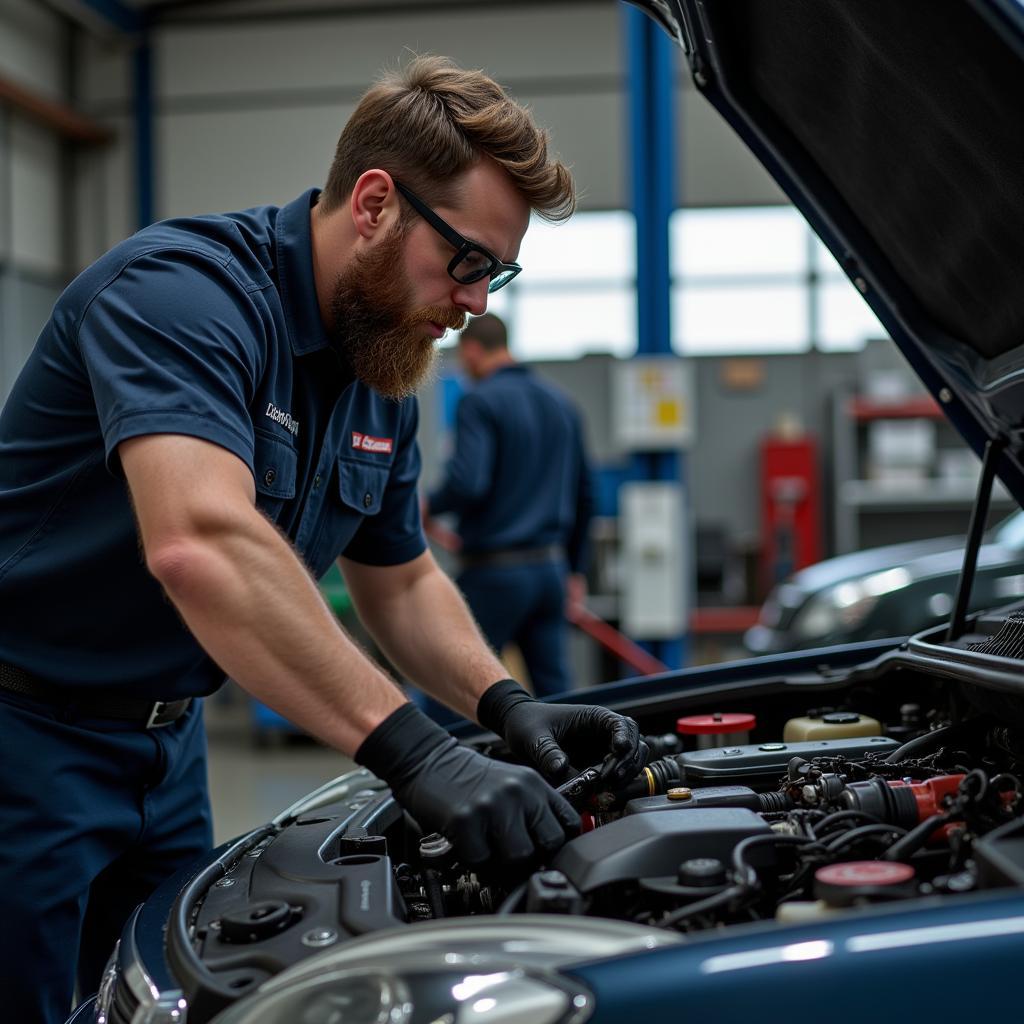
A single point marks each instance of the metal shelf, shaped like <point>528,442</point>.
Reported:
<point>864,410</point>
<point>856,500</point>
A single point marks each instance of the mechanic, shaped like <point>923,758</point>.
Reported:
<point>233,393</point>
<point>519,483</point>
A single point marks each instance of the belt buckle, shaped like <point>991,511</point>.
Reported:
<point>163,712</point>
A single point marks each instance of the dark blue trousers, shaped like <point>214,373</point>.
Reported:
<point>94,814</point>
<point>524,605</point>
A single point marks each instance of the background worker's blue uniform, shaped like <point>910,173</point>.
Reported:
<point>519,483</point>
<point>208,327</point>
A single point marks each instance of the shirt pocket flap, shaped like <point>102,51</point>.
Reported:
<point>275,465</point>
<point>362,485</point>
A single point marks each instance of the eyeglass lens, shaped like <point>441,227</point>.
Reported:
<point>473,265</point>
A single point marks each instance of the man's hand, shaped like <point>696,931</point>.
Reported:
<point>488,810</point>
<point>562,739</point>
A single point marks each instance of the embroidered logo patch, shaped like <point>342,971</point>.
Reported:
<point>365,443</point>
<point>282,417</point>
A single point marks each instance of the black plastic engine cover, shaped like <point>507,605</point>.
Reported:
<point>334,898</point>
<point>762,765</point>
<point>645,845</point>
<point>706,796</point>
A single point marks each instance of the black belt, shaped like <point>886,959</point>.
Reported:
<point>512,556</point>
<point>150,714</point>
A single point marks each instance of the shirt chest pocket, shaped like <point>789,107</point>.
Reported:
<point>275,465</point>
<point>361,485</point>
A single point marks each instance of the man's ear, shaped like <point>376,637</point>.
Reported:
<point>374,203</point>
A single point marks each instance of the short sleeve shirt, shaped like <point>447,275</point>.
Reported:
<point>209,327</point>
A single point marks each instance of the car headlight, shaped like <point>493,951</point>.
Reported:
<point>452,971</point>
<point>375,997</point>
<point>845,606</point>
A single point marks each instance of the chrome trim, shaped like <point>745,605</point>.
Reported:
<point>154,1006</point>
<point>170,1008</point>
<point>108,982</point>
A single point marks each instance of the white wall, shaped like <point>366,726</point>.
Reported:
<point>32,41</point>
<point>105,197</point>
<point>30,53</point>
<point>249,112</point>
<point>35,174</point>
<point>263,126</point>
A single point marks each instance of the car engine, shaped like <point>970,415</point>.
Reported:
<point>807,812</point>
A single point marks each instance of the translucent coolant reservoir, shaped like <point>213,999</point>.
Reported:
<point>833,725</point>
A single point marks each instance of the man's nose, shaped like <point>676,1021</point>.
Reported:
<point>471,297</point>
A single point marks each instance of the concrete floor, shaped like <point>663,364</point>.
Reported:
<point>250,784</point>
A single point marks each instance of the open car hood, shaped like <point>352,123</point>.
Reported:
<point>896,129</point>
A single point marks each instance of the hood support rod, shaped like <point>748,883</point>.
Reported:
<point>979,514</point>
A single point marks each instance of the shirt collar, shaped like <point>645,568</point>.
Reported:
<point>295,275</point>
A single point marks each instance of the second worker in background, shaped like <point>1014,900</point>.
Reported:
<point>519,484</point>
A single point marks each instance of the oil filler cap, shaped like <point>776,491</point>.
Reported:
<point>842,885</point>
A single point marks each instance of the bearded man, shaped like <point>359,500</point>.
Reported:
<point>216,410</point>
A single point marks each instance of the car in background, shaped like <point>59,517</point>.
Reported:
<point>896,590</point>
<point>774,860</point>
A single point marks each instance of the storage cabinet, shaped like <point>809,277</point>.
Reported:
<point>900,472</point>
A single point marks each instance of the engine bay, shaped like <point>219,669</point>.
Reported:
<point>890,788</point>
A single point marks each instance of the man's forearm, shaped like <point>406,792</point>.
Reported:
<point>429,635</point>
<point>249,602</point>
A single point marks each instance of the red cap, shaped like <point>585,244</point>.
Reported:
<point>696,725</point>
<point>865,872</point>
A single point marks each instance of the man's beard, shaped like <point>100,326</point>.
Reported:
<point>387,348</point>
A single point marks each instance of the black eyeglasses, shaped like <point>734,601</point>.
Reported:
<point>471,261</point>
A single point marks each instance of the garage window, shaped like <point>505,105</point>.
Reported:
<point>744,280</point>
<point>757,280</point>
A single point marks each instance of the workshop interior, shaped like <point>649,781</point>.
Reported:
<point>785,313</point>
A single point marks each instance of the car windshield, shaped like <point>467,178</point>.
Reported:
<point>1010,532</point>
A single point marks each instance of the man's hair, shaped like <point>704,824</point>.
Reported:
<point>487,329</point>
<point>429,122</point>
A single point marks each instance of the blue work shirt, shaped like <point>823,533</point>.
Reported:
<point>210,327</point>
<point>518,477</point>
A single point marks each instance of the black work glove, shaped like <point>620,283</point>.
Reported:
<point>561,740</point>
<point>488,810</point>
